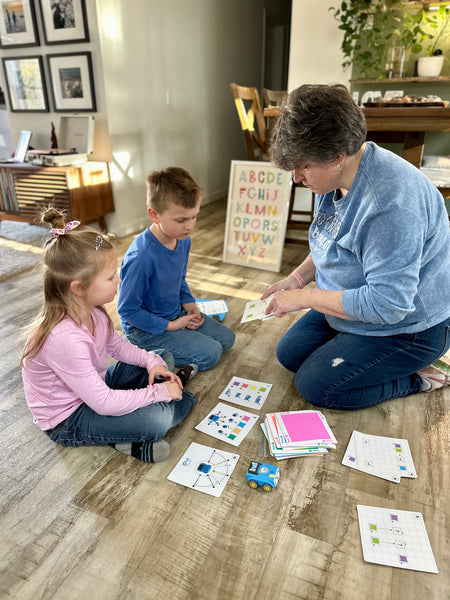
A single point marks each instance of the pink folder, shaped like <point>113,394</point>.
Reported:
<point>304,428</point>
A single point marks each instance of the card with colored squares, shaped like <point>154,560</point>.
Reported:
<point>227,423</point>
<point>385,457</point>
<point>395,538</point>
<point>246,392</point>
<point>256,309</point>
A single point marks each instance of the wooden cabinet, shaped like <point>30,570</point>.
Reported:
<point>83,191</point>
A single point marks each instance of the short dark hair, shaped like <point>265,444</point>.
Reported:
<point>317,123</point>
<point>173,184</point>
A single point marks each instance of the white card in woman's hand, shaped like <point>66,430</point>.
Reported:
<point>256,309</point>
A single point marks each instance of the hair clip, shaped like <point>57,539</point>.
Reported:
<point>98,242</point>
<point>67,227</point>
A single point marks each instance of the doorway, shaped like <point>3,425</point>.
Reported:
<point>276,42</point>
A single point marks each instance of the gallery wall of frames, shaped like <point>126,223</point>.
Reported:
<point>34,80</point>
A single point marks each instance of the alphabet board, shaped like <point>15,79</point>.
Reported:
<point>257,212</point>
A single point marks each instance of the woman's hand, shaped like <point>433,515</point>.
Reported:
<point>284,302</point>
<point>328,302</point>
<point>289,283</point>
<point>305,272</point>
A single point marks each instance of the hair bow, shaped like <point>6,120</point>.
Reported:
<point>67,227</point>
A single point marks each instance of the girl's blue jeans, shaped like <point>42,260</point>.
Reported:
<point>85,427</point>
<point>345,371</point>
<point>203,346</point>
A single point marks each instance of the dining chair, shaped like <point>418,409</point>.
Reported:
<point>251,118</point>
<point>272,98</point>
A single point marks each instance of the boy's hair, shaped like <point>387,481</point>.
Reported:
<point>173,184</point>
<point>76,254</point>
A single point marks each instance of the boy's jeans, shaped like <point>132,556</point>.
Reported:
<point>203,346</point>
<point>346,371</point>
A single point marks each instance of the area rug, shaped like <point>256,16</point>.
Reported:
<point>20,247</point>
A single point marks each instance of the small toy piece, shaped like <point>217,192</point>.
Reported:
<point>262,475</point>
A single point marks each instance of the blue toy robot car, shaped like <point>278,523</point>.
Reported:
<point>262,475</point>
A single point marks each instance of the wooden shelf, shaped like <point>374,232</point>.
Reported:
<point>441,79</point>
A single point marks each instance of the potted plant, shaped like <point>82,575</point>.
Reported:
<point>379,33</point>
<point>431,64</point>
<point>368,27</point>
<point>409,35</point>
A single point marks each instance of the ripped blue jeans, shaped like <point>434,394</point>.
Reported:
<point>346,371</point>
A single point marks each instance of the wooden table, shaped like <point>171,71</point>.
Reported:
<point>406,125</point>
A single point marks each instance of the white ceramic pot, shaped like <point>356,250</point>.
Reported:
<point>430,66</point>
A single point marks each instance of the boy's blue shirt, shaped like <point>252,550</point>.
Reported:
<point>153,284</point>
<point>387,244</point>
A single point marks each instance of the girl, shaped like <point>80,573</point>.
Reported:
<point>74,398</point>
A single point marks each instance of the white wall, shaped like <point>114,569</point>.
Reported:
<point>315,54</point>
<point>167,67</point>
<point>314,57</point>
<point>7,144</point>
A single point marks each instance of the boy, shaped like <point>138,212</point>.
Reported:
<point>156,307</point>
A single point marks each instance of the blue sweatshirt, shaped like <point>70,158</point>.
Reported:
<point>153,284</point>
<point>387,245</point>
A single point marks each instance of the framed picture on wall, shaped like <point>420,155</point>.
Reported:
<point>18,24</point>
<point>24,77</point>
<point>72,82</point>
<point>64,21</point>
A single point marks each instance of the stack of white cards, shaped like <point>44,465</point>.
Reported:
<point>385,457</point>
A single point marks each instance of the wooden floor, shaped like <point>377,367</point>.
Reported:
<point>92,523</point>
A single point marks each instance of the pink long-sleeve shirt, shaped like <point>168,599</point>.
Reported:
<point>70,369</point>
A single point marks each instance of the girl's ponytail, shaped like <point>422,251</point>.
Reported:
<point>74,252</point>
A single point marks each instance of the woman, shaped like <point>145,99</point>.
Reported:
<point>380,254</point>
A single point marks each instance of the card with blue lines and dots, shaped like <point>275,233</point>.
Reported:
<point>395,538</point>
<point>385,457</point>
<point>227,423</point>
<point>204,469</point>
<point>246,392</point>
